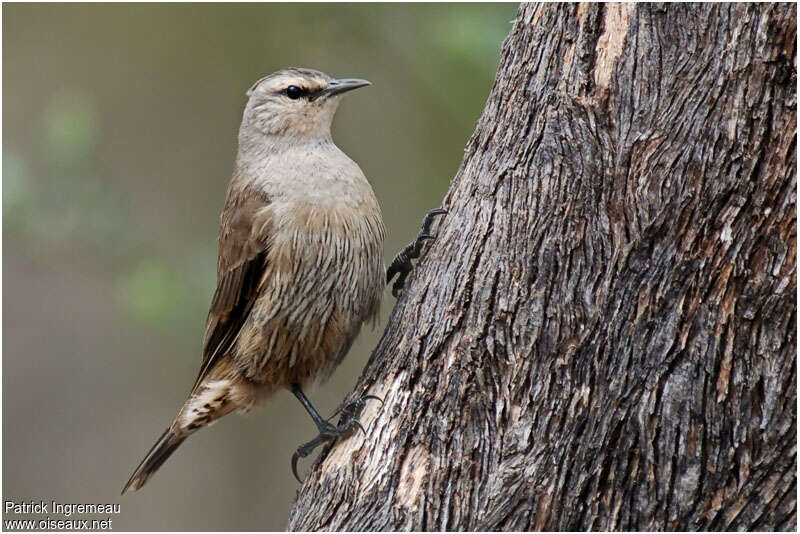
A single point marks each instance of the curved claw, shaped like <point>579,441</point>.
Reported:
<point>359,402</point>
<point>356,422</point>
<point>426,222</point>
<point>374,397</point>
<point>295,457</point>
<point>305,449</point>
<point>434,212</point>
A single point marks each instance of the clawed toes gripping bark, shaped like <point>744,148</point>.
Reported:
<point>348,421</point>
<point>401,264</point>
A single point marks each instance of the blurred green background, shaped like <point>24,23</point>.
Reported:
<point>119,131</point>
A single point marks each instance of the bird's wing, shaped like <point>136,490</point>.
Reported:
<point>244,241</point>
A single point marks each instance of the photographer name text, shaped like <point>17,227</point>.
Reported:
<point>62,509</point>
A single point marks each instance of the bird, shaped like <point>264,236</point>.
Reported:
<point>300,264</point>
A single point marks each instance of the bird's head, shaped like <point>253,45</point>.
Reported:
<point>295,103</point>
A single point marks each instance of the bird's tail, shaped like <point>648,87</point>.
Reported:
<point>164,447</point>
<point>221,392</point>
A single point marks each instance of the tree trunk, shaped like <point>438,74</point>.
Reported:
<point>603,333</point>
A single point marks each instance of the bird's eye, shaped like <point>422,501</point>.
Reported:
<point>294,92</point>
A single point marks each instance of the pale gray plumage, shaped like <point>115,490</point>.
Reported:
<point>300,258</point>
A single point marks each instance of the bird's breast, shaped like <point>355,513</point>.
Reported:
<point>324,277</point>
<point>337,236</point>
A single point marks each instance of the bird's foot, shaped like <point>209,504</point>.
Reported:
<point>401,264</point>
<point>348,421</point>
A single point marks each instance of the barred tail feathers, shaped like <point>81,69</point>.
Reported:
<point>209,401</point>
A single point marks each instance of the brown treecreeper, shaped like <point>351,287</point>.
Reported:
<point>300,263</point>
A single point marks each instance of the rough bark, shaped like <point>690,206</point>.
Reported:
<point>603,334</point>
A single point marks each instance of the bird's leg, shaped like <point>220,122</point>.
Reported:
<point>324,427</point>
<point>401,264</point>
<point>327,432</point>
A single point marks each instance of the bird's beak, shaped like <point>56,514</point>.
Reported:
<point>337,87</point>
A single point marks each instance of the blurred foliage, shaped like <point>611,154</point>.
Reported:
<point>153,291</point>
<point>70,130</point>
<point>73,208</point>
<point>462,45</point>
